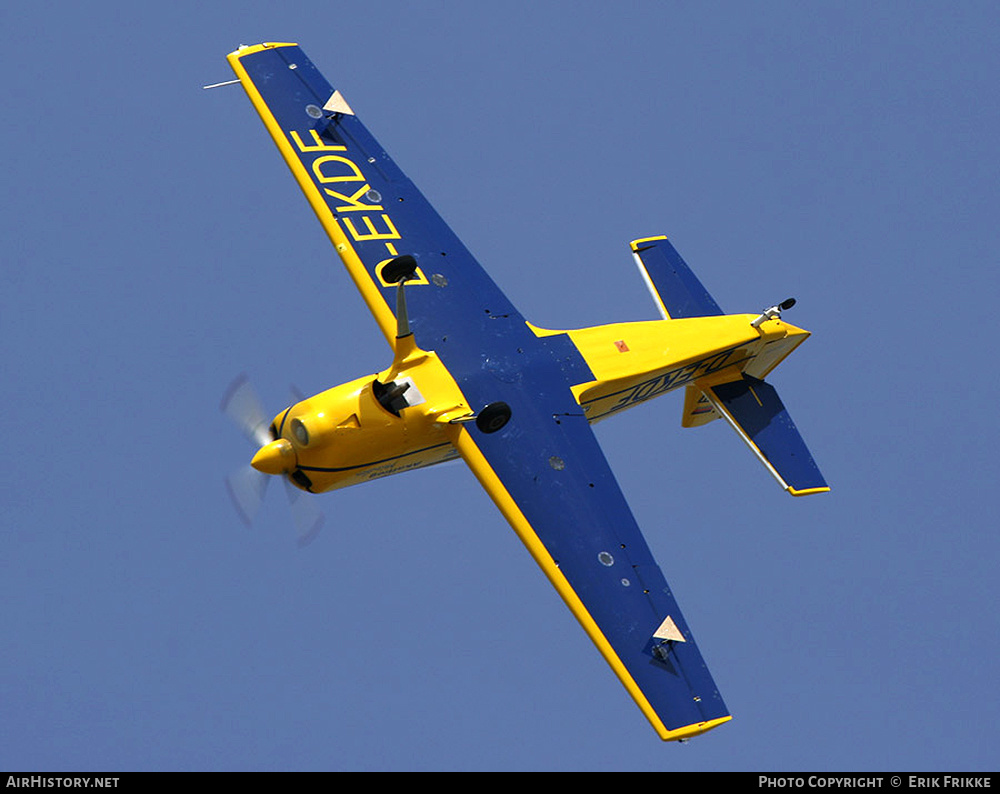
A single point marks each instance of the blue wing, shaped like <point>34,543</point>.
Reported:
<point>549,477</point>
<point>371,211</point>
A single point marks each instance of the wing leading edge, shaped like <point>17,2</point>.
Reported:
<point>558,493</point>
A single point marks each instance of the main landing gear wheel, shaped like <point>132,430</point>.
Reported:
<point>399,269</point>
<point>493,417</point>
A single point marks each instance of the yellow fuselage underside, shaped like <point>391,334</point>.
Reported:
<point>352,438</point>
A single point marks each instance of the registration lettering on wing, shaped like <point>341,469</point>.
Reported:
<point>349,195</point>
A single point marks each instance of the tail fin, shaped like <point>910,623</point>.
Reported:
<point>757,414</point>
<point>698,409</point>
<point>676,290</point>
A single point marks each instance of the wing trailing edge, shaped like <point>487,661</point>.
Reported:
<point>651,652</point>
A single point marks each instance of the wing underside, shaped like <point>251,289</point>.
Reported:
<point>551,481</point>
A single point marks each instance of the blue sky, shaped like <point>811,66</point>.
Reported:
<point>156,246</point>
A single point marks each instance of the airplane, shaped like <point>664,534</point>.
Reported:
<point>471,378</point>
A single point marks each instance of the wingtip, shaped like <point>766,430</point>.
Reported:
<point>808,491</point>
<point>250,49</point>
<point>686,732</point>
<point>635,244</point>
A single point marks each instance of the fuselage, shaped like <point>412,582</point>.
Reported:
<point>353,433</point>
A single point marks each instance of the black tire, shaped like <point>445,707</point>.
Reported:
<point>493,417</point>
<point>402,267</point>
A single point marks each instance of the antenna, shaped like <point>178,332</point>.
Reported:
<point>774,313</point>
<point>217,85</point>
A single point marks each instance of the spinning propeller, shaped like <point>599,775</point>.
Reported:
<point>248,485</point>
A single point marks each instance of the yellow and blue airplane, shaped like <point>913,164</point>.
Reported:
<point>471,378</point>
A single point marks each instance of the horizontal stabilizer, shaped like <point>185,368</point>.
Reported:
<point>756,412</point>
<point>676,290</point>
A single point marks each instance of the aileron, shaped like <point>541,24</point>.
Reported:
<point>572,517</point>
